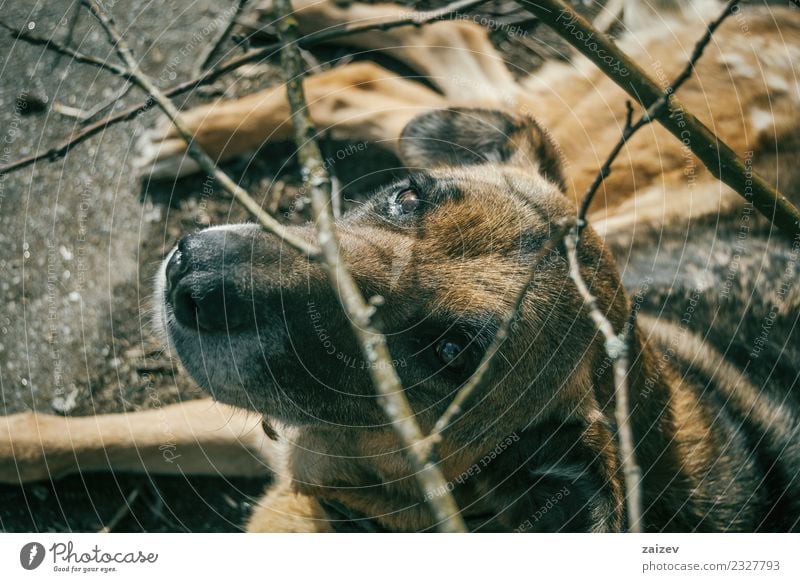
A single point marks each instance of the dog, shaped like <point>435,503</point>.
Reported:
<point>494,166</point>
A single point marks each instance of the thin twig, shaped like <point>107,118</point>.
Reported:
<point>208,52</point>
<point>605,169</point>
<point>56,47</point>
<point>76,12</point>
<point>84,117</point>
<point>103,105</point>
<point>214,73</point>
<point>480,376</point>
<point>120,514</point>
<point>661,105</point>
<point>61,149</point>
<point>336,196</point>
<point>135,73</point>
<point>372,342</point>
<point>617,348</point>
<point>715,154</point>
<point>68,111</point>
<point>657,109</point>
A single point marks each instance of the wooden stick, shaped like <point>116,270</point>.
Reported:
<point>209,76</point>
<point>617,348</point>
<point>56,47</point>
<point>135,73</point>
<point>372,342</point>
<point>715,154</point>
<point>477,382</point>
<point>120,514</point>
<point>659,108</point>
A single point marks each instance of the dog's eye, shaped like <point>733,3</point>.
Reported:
<point>407,201</point>
<point>448,352</point>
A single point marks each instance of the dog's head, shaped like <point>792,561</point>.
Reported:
<point>446,250</point>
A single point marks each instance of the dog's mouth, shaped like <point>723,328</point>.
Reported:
<point>209,320</point>
<point>250,343</point>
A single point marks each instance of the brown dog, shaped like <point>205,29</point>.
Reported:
<point>715,365</point>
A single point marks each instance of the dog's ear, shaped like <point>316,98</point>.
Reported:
<point>463,136</point>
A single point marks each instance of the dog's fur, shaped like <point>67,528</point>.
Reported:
<point>713,379</point>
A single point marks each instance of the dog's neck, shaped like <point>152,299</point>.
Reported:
<point>505,481</point>
<point>682,447</point>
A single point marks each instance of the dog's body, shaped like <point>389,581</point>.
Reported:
<point>713,381</point>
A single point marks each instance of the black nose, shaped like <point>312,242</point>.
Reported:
<point>201,280</point>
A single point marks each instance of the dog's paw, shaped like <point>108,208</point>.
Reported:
<point>162,154</point>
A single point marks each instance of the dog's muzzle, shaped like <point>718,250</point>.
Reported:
<point>205,282</point>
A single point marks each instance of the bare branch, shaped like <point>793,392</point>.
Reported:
<point>52,45</point>
<point>661,105</point>
<point>617,348</point>
<point>121,513</point>
<point>715,154</point>
<point>137,76</point>
<point>372,342</point>
<point>336,196</point>
<point>110,102</point>
<point>659,108</point>
<point>73,22</point>
<point>214,73</point>
<point>605,169</point>
<point>208,52</point>
<point>85,117</point>
<point>477,382</point>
